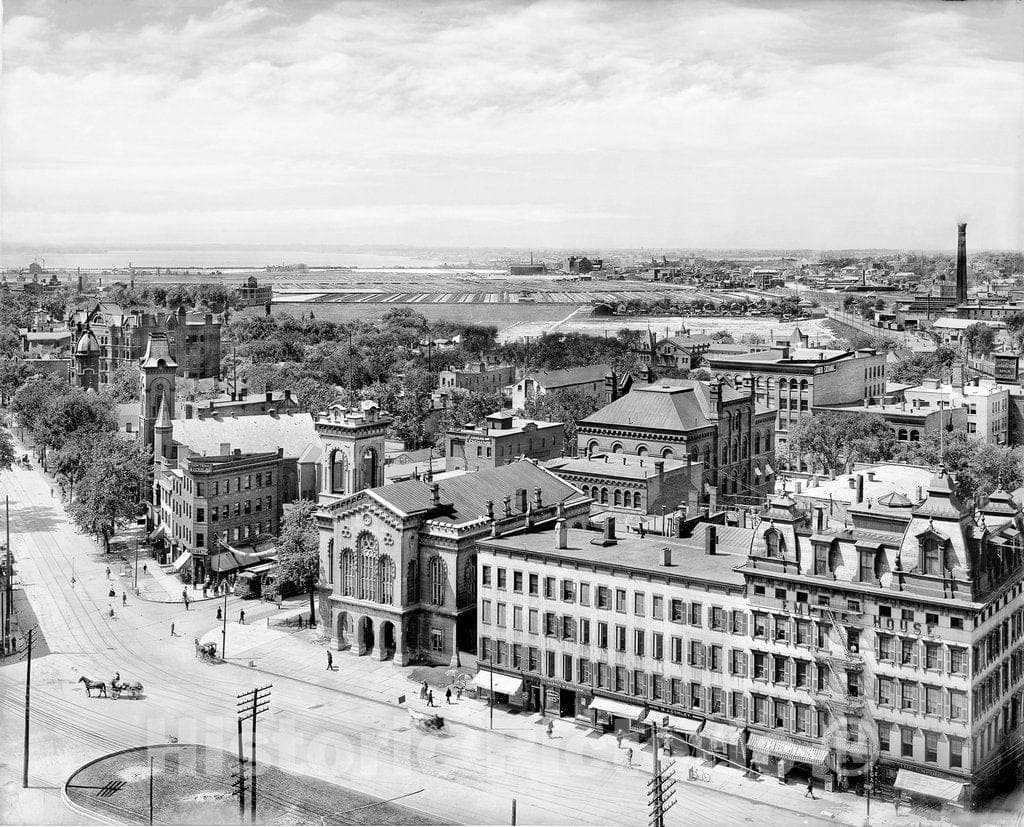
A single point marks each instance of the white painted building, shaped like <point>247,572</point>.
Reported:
<point>987,403</point>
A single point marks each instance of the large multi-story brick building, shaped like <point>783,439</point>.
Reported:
<point>794,381</point>
<point>123,335</point>
<point>714,423</point>
<point>477,377</point>
<point>887,651</point>
<point>501,439</point>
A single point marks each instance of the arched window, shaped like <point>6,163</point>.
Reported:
<point>667,453</point>
<point>618,497</point>
<point>604,496</point>
<point>586,490</point>
<point>641,451</point>
<point>803,384</point>
<point>636,499</point>
<point>735,451</point>
<point>412,582</point>
<point>757,442</point>
<point>330,559</point>
<point>438,580</point>
<point>592,446</point>
<point>901,435</point>
<point>694,455</point>
<point>386,578</point>
<point>707,458</point>
<point>725,455</point>
<point>915,436</point>
<point>368,552</point>
<point>744,452</point>
<point>616,447</point>
<point>469,576</point>
<point>348,573</point>
<point>775,543</point>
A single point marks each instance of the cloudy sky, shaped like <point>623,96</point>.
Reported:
<point>611,124</point>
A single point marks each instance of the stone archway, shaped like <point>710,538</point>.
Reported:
<point>387,640</point>
<point>365,635</point>
<point>344,630</point>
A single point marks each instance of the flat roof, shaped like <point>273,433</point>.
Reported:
<point>622,466</point>
<point>633,552</point>
<point>903,479</point>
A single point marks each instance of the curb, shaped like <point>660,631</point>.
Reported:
<point>477,728</point>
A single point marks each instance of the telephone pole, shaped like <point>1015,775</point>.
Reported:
<point>252,704</point>
<point>660,789</point>
<point>28,699</point>
<point>8,577</point>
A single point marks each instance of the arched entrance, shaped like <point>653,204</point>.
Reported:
<point>344,631</point>
<point>370,469</point>
<point>366,638</point>
<point>337,472</point>
<point>387,640</point>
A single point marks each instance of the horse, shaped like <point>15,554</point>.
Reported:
<point>100,686</point>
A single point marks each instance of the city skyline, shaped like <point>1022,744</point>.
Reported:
<point>552,124</point>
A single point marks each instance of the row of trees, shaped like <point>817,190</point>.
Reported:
<point>75,433</point>
<point>834,442</point>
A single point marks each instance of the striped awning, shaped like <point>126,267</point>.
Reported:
<point>684,726</point>
<point>723,733</point>
<point>947,789</point>
<point>617,708</point>
<point>785,748</point>
<point>183,558</point>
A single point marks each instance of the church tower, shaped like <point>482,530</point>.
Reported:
<point>353,447</point>
<point>162,432</point>
<point>85,365</point>
<point>158,373</point>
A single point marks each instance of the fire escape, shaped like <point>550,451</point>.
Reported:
<point>843,693</point>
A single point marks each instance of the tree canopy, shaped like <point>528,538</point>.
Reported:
<point>833,440</point>
<point>298,550</point>
<point>110,490</point>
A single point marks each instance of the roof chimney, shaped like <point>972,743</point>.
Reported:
<point>435,494</point>
<point>871,476</point>
<point>961,264</point>
<point>659,467</point>
<point>270,396</point>
<point>225,449</point>
<point>609,534</point>
<point>490,510</point>
<point>561,533</point>
<point>537,499</point>
<point>860,489</point>
<point>710,538</point>
<point>508,506</point>
<point>667,552</point>
<point>819,518</point>
<point>918,494</point>
<point>521,499</point>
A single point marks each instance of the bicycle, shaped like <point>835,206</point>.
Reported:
<point>699,775</point>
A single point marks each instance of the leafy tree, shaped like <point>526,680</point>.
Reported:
<point>313,394</point>
<point>298,550</point>
<point>6,450</point>
<point>979,467</point>
<point>76,410</point>
<point>833,440</point>
<point>33,397</point>
<point>1015,327</point>
<point>565,406</point>
<point>912,370</point>
<point>124,382</point>
<point>110,490</point>
<point>980,338</point>
<point>13,373</point>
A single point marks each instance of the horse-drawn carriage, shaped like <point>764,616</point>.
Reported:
<point>117,688</point>
<point>207,651</point>
<point>427,722</point>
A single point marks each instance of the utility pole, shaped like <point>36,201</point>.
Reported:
<point>660,789</point>
<point>250,705</point>
<point>490,699</point>
<point>28,699</point>
<point>151,791</point>
<point>8,573</point>
<point>136,564</point>
<point>224,629</point>
<point>239,784</point>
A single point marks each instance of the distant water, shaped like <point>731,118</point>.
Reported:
<point>221,258</point>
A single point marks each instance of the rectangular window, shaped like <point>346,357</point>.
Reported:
<point>657,646</point>
<point>885,691</point>
<point>549,624</point>
<point>549,664</point>
<point>639,683</point>
<point>739,623</point>
<point>932,656</point>
<point>677,650</point>
<point>584,594</point>
<point>657,607</point>
<point>638,642</point>
<point>620,638</point>
<point>803,674</point>
<point>931,747</point>
<point>517,656</point>
<point>957,705</point>
<point>533,585</point>
<point>779,670</point>
<point>956,752</point>
<point>695,694</point>
<point>760,625</point>
<point>803,633</point>
<point>549,587</point>
<point>567,668</point>
<point>585,631</point>
<point>534,614</point>
<point>620,600</point>
<point>437,640</point>
<point>200,540</point>
<point>517,581</point>
<point>620,678</point>
<point>485,611</point>
<point>604,600</point>
<point>502,579</point>
<point>907,742</point>
<point>583,671</point>
<point>534,661</point>
<point>738,665</point>
<point>716,659</point>
<point>886,647</point>
<point>958,661</point>
<point>657,688</point>
<point>717,618</point>
<point>908,697</point>
<point>517,618</point>
<point>485,648</point>
<point>200,515</point>
<point>602,635</point>
<point>760,666</point>
<point>638,603</point>
<point>932,700</point>
<point>883,735</point>
<point>568,591</point>
<point>801,718</point>
<point>568,628</point>
<point>908,652</point>
<point>677,611</point>
<point>695,614</point>
<point>500,615</point>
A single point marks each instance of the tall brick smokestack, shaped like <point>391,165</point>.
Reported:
<point>961,264</point>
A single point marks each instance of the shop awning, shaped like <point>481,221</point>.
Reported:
<point>503,684</point>
<point>784,748</point>
<point>723,733</point>
<point>619,709</point>
<point>157,533</point>
<point>919,784</point>
<point>684,726</point>
<point>182,560</point>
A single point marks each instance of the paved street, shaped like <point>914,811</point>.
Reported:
<point>343,726</point>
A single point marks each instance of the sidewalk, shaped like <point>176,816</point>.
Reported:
<point>301,656</point>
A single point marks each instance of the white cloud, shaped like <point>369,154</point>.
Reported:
<point>796,124</point>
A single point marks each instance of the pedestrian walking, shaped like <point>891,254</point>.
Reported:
<point>241,616</point>
<point>423,691</point>
<point>551,728</point>
<point>110,609</point>
<point>458,692</point>
<point>618,739</point>
<point>629,757</point>
<point>172,630</point>
<point>51,492</point>
<point>145,569</point>
<point>430,697</point>
<point>197,647</point>
<point>448,695</point>
<point>124,598</point>
<point>108,572</point>
<point>220,613</point>
<point>72,581</point>
<point>330,661</point>
<point>810,789</point>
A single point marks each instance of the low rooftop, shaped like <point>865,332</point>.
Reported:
<point>621,466</point>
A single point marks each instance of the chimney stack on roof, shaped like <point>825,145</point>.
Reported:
<point>490,510</point>
<point>508,506</point>
<point>710,538</point>
<point>225,449</point>
<point>860,489</point>
<point>435,493</point>
<point>961,264</point>
<point>667,561</point>
<point>538,500</point>
<point>609,534</point>
<point>561,533</point>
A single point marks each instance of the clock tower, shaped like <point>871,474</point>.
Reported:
<point>353,444</point>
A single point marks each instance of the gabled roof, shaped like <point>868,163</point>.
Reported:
<point>252,434</point>
<point>676,405</point>
<point>464,498</point>
<point>549,379</point>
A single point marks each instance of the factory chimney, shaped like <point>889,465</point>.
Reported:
<point>961,264</point>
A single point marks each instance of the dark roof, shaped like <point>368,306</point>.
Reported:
<point>630,551</point>
<point>464,497</point>
<point>571,376</point>
<point>676,404</point>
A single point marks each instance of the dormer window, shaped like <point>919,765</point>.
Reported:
<point>774,543</point>
<point>931,555</point>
